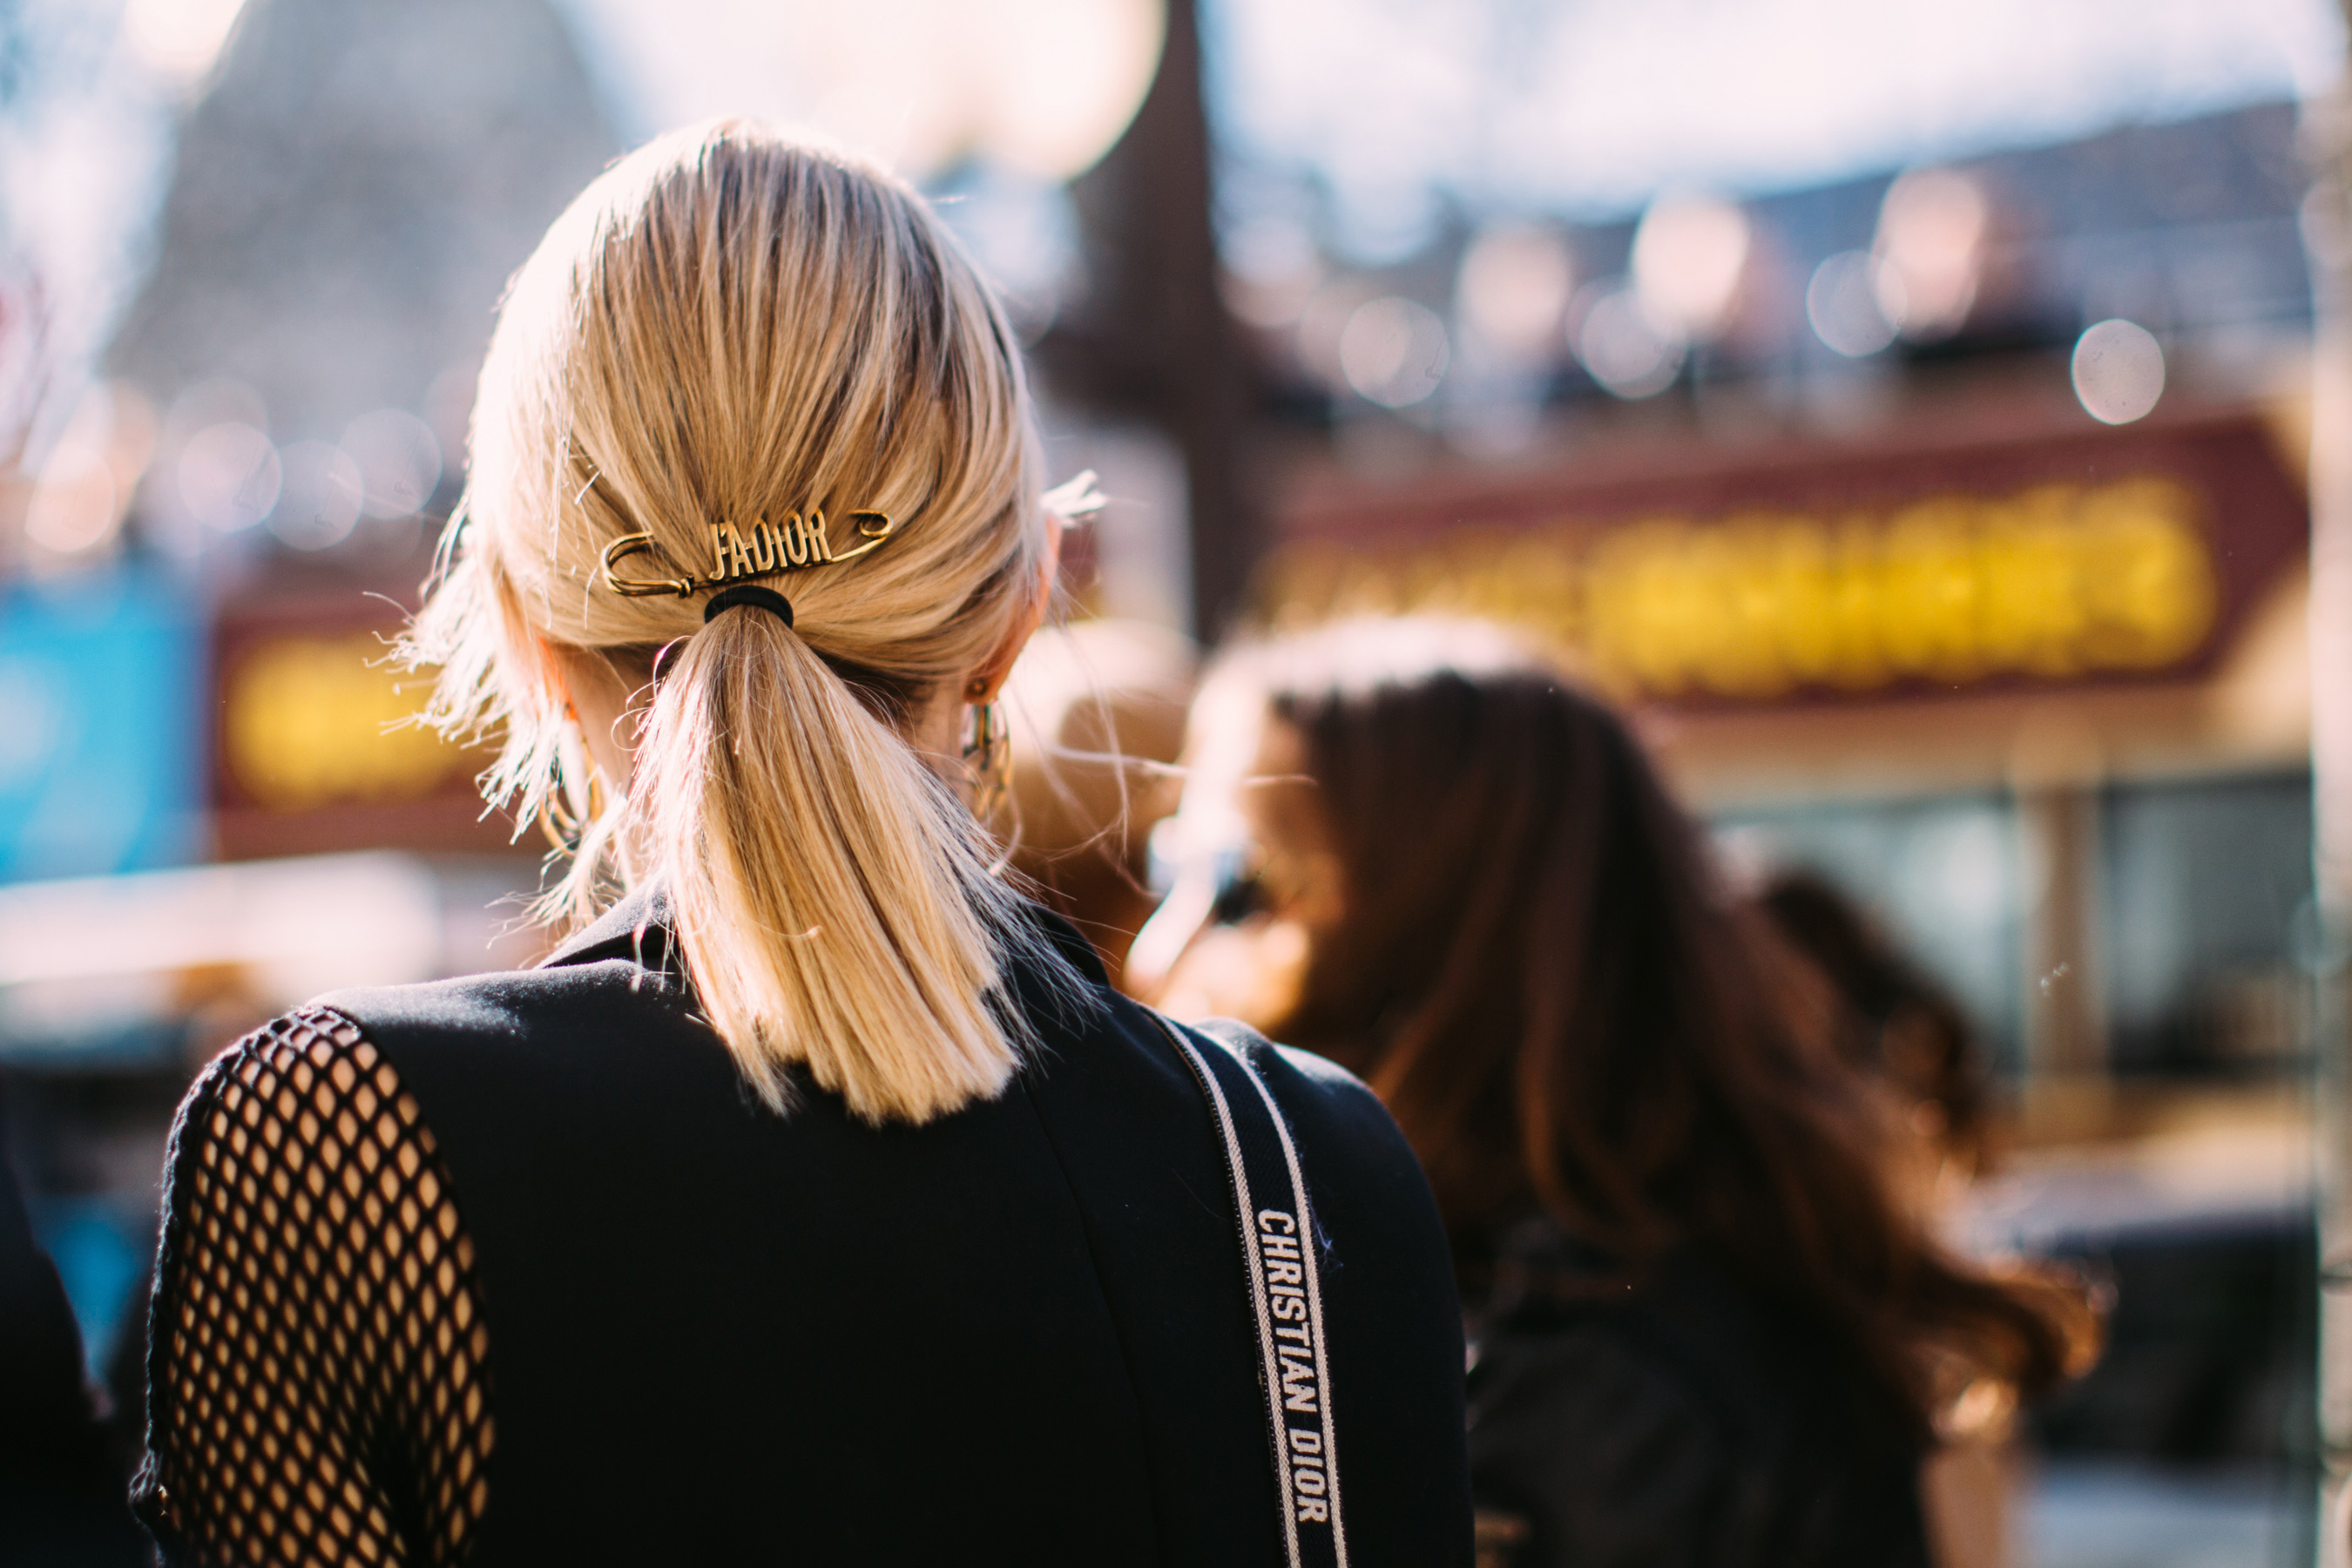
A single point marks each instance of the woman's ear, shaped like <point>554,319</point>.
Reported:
<point>990,677</point>
<point>599,700</point>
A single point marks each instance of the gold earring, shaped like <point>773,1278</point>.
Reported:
<point>564,828</point>
<point>988,760</point>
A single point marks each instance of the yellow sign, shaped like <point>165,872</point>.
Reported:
<point>318,720</point>
<point>2057,581</point>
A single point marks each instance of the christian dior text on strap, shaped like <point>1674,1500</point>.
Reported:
<point>1286,1296</point>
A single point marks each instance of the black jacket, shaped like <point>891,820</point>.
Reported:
<point>1676,1421</point>
<point>1019,1333</point>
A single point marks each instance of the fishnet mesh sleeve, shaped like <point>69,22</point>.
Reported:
<point>319,1388</point>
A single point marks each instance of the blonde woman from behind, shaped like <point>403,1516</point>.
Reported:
<point>817,1198</point>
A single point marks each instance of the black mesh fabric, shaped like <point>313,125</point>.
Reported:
<point>318,1378</point>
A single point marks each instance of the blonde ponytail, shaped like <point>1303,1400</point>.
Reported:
<point>805,945</point>
<point>732,324</point>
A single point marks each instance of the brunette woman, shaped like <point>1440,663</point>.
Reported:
<point>1704,1330</point>
<point>818,1202</point>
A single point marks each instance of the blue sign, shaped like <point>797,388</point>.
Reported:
<point>102,748</point>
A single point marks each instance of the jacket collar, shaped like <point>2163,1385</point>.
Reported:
<point>638,929</point>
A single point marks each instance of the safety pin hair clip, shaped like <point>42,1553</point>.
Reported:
<point>740,554</point>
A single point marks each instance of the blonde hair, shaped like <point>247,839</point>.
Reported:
<point>732,323</point>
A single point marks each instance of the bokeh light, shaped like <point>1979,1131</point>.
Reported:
<point>1931,234</point>
<point>2118,371</point>
<point>1689,255</point>
<point>1393,352</point>
<point>319,500</point>
<point>1039,87</point>
<point>229,476</point>
<point>1846,303</point>
<point>1623,347</point>
<point>179,39</point>
<point>74,508</point>
<point>84,485</point>
<point>1513,289</point>
<point>397,458</point>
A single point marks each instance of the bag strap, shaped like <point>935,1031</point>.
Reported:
<point>1278,1242</point>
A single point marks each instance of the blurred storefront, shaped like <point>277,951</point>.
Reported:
<point>316,744</point>
<point>1971,663</point>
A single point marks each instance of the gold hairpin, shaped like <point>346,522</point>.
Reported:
<point>740,554</point>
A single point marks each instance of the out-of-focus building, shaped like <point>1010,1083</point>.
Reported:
<point>349,197</point>
<point>194,635</point>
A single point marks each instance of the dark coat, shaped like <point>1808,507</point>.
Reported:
<point>1019,1333</point>
<point>1676,1421</point>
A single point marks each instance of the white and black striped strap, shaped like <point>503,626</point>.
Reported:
<point>1278,1241</point>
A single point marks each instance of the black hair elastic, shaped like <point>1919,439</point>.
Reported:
<point>767,599</point>
<point>749,594</point>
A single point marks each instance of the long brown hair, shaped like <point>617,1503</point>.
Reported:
<point>1537,973</point>
<point>1901,1026</point>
